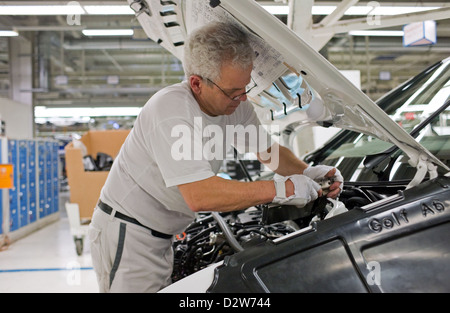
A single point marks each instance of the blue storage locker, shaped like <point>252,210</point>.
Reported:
<point>14,192</point>
<point>55,176</point>
<point>32,190</point>
<point>1,192</point>
<point>35,193</point>
<point>41,180</point>
<point>23,183</point>
<point>48,178</point>
<point>1,208</point>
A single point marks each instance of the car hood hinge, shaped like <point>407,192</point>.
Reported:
<point>423,165</point>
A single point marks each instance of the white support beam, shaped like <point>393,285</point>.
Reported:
<point>300,18</point>
<point>385,21</point>
<point>317,35</point>
<point>329,20</point>
<point>300,15</point>
<point>21,78</point>
<point>338,13</point>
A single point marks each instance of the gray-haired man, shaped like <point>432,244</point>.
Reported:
<point>163,175</point>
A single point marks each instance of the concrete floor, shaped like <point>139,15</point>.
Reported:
<point>46,262</point>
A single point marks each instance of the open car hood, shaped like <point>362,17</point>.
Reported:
<point>292,78</point>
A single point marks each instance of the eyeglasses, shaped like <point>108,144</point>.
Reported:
<point>235,98</point>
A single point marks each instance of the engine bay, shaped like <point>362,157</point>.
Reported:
<point>214,236</point>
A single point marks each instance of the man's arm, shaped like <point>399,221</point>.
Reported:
<point>223,195</point>
<point>218,194</point>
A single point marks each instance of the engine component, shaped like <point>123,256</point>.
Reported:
<point>213,237</point>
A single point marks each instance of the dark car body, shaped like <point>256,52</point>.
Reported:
<point>389,229</point>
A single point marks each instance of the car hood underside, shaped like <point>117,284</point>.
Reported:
<point>307,86</point>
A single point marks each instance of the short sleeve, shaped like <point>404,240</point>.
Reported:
<point>249,134</point>
<point>176,153</point>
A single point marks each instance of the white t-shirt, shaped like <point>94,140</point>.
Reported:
<point>173,142</point>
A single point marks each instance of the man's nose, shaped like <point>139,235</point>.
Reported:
<point>243,97</point>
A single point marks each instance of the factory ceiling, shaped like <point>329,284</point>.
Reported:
<point>71,69</point>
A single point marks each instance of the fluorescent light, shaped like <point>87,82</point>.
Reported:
<point>385,33</point>
<point>45,112</point>
<point>76,9</point>
<point>354,10</point>
<point>68,9</point>
<point>277,9</point>
<point>108,9</point>
<point>8,33</point>
<point>41,10</point>
<point>323,9</point>
<point>107,32</point>
<point>394,10</point>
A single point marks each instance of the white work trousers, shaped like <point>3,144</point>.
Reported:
<point>127,257</point>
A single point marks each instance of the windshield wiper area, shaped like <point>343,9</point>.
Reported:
<point>372,161</point>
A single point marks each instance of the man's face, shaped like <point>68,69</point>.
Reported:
<point>216,98</point>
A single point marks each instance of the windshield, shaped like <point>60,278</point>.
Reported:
<point>421,107</point>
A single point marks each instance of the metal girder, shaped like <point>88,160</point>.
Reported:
<point>338,13</point>
<point>317,35</point>
<point>300,15</point>
<point>385,21</point>
<point>300,20</point>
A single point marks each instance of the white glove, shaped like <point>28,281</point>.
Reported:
<point>305,190</point>
<point>317,173</point>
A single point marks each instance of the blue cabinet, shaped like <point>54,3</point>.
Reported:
<point>35,193</point>
<point>14,193</point>
<point>1,191</point>
<point>32,183</point>
<point>23,183</point>
<point>48,177</point>
<point>42,207</point>
<point>1,209</point>
<point>55,176</point>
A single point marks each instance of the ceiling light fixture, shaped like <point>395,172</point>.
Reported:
<point>45,112</point>
<point>108,32</point>
<point>354,10</point>
<point>277,9</point>
<point>72,9</point>
<point>41,10</point>
<point>126,10</point>
<point>8,33</point>
<point>108,9</point>
<point>386,10</point>
<point>380,33</point>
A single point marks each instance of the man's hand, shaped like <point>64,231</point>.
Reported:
<point>305,190</point>
<point>320,172</point>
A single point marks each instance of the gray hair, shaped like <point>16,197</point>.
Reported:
<point>211,46</point>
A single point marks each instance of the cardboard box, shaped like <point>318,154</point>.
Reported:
<point>85,186</point>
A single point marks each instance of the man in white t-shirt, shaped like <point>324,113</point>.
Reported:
<point>166,169</point>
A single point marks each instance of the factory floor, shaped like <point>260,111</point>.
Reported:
<point>46,261</point>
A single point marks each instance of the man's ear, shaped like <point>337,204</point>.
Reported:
<point>196,83</point>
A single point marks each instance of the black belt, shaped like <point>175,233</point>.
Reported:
<point>107,209</point>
